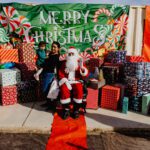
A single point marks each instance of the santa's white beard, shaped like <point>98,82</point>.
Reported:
<point>72,63</point>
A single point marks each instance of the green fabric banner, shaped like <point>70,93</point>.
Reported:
<point>78,25</point>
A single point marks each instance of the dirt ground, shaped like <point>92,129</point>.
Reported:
<point>103,141</point>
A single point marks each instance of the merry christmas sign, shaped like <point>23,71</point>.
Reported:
<point>80,25</point>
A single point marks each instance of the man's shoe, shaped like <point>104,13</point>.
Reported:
<point>44,105</point>
<point>65,114</point>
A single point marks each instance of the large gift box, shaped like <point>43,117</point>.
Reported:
<point>92,98</point>
<point>8,95</point>
<point>136,69</point>
<point>27,70</point>
<point>110,97</point>
<point>9,76</point>
<point>26,52</point>
<point>145,103</point>
<point>27,91</point>
<point>118,56</point>
<point>10,55</point>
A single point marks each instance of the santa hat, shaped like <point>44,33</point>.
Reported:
<point>73,50</point>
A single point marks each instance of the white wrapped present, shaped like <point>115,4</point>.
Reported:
<point>9,76</point>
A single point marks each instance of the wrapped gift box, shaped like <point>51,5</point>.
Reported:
<point>125,104</point>
<point>143,86</point>
<point>26,52</point>
<point>27,70</point>
<point>134,58</point>
<point>147,70</point>
<point>9,76</point>
<point>8,95</point>
<point>10,55</point>
<point>145,104</point>
<point>116,56</point>
<point>27,91</point>
<point>122,94</point>
<point>110,97</point>
<point>111,74</point>
<point>135,103</point>
<point>92,98</point>
<point>136,69</point>
<point>131,86</point>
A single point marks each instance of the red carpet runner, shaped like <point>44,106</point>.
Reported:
<point>68,134</point>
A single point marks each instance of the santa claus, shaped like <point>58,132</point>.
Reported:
<point>71,73</point>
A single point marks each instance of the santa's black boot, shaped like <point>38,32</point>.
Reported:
<point>84,103</point>
<point>76,112</point>
<point>65,112</point>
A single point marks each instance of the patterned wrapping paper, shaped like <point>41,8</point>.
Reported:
<point>147,69</point>
<point>9,76</point>
<point>137,69</point>
<point>27,91</point>
<point>112,74</point>
<point>134,58</point>
<point>145,104</point>
<point>26,52</point>
<point>143,86</point>
<point>131,86</point>
<point>27,70</point>
<point>116,56</point>
<point>8,55</point>
<point>8,95</point>
<point>110,97</point>
<point>135,103</point>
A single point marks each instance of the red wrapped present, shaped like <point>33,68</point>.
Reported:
<point>26,52</point>
<point>110,97</point>
<point>92,98</point>
<point>8,95</point>
<point>134,58</point>
<point>10,55</point>
<point>27,70</point>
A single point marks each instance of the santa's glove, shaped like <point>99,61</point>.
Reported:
<point>65,80</point>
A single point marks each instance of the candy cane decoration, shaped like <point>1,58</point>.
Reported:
<point>23,26</point>
<point>62,57</point>
<point>85,55</point>
<point>3,36</point>
<point>9,19</point>
<point>100,11</point>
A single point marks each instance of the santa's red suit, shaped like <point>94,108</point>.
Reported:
<point>71,80</point>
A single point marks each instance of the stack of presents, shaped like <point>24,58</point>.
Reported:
<point>17,84</point>
<point>116,82</point>
<point>123,83</point>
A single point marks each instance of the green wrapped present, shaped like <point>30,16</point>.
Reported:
<point>125,105</point>
<point>145,103</point>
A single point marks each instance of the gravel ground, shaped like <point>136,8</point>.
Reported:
<point>102,141</point>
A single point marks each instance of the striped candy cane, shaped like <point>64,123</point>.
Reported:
<point>100,11</point>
